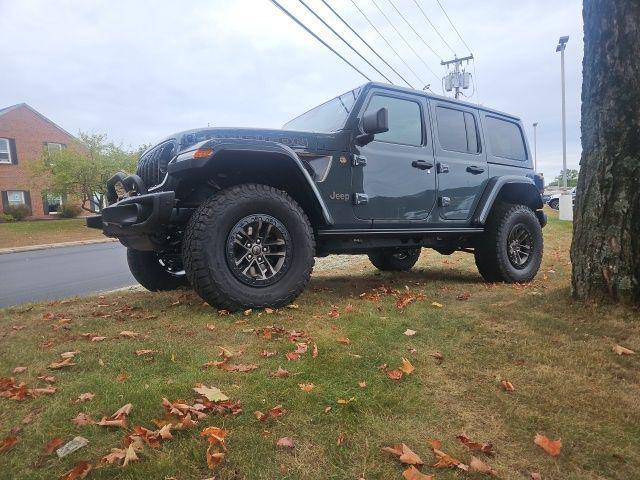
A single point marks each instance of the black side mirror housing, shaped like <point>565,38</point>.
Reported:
<point>372,123</point>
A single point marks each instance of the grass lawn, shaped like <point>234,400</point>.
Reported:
<point>568,382</point>
<point>38,232</point>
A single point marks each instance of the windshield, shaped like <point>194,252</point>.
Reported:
<point>328,117</point>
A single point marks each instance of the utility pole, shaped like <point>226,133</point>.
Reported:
<point>535,147</point>
<point>457,79</point>
<point>562,43</point>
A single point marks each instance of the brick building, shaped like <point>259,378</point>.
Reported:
<point>24,135</point>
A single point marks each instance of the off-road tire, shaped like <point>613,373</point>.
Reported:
<point>205,243</point>
<point>396,260</point>
<point>491,252</point>
<point>554,203</point>
<point>146,269</point>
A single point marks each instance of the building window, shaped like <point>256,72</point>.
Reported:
<point>53,147</point>
<point>15,197</point>
<point>5,151</point>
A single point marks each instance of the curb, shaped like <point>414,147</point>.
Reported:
<point>29,248</point>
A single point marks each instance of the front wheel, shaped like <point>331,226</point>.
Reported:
<point>155,271</point>
<point>554,203</point>
<point>401,259</point>
<point>512,245</point>
<point>250,246</point>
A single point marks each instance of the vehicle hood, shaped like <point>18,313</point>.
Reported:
<point>296,140</point>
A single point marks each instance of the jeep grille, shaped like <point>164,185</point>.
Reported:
<point>152,166</point>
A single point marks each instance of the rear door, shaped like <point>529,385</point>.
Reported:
<point>461,162</point>
<point>398,179</point>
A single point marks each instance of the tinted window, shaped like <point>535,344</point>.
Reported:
<point>506,139</point>
<point>405,120</point>
<point>457,130</point>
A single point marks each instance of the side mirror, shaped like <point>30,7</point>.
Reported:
<point>372,123</point>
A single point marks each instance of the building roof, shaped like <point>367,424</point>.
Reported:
<point>4,111</point>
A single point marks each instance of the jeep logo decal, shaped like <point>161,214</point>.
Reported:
<point>345,197</point>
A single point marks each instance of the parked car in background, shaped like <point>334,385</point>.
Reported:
<point>554,200</point>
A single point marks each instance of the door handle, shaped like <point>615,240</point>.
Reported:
<point>475,169</point>
<point>422,164</point>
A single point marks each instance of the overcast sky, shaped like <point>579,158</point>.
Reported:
<point>139,71</point>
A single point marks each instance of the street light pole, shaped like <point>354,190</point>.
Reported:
<point>562,43</point>
<point>535,147</point>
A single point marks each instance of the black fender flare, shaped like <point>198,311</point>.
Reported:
<point>513,188</point>
<point>229,151</point>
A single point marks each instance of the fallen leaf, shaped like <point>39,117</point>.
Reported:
<point>128,334</point>
<point>477,465</point>
<point>210,326</point>
<point>83,419</point>
<point>444,460</point>
<point>69,354</point>
<point>404,453</point>
<point>212,394</point>
<point>410,333</point>
<point>508,386</point>
<point>65,362</point>
<point>334,313</point>
<point>52,445</point>
<point>407,368</point>
<point>79,471</point>
<point>306,387</point>
<point>118,419</point>
<point>486,448</point>
<point>436,304</point>
<point>314,352</point>
<point>145,351</point>
<point>130,455</point>
<point>122,377</point>
<point>47,378</point>
<point>394,374</point>
<point>292,356</point>
<point>267,354</point>
<point>248,311</point>
<point>412,473</point>
<point>344,341</point>
<point>85,397</point>
<point>285,442</point>
<point>293,306</point>
<point>552,447</point>
<point>7,443</point>
<point>19,370</point>
<point>362,384</point>
<point>280,373</point>
<point>344,401</point>
<point>535,476</point>
<point>276,411</point>
<point>97,339</point>
<point>464,296</point>
<point>438,356</point>
<point>340,439</point>
<point>620,350</point>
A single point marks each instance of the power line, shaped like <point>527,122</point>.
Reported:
<point>343,40</point>
<point>365,42</point>
<point>404,39</point>
<point>387,42</point>
<point>414,30</point>
<point>453,26</point>
<point>292,17</point>
<point>434,27</point>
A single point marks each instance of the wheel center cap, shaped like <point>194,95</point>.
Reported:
<point>256,250</point>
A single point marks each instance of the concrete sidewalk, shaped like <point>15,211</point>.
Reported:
<point>29,248</point>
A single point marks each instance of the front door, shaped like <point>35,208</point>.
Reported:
<point>397,182</point>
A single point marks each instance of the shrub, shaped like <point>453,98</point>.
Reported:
<point>5,217</point>
<point>68,210</point>
<point>18,212</point>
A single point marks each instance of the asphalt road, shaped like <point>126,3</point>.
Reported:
<point>62,272</point>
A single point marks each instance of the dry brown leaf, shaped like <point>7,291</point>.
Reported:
<point>620,350</point>
<point>410,333</point>
<point>285,442</point>
<point>85,397</point>
<point>314,352</point>
<point>412,473</point>
<point>340,439</point>
<point>477,465</point>
<point>122,377</point>
<point>144,351</point>
<point>52,445</point>
<point>276,411</point>
<point>267,354</point>
<point>97,339</point>
<point>404,454</point>
<point>344,341</point>
<point>65,362</point>
<point>130,455</point>
<point>128,334</point>
<point>444,460</point>
<point>535,476</point>
<point>19,370</point>
<point>394,374</point>
<point>47,378</point>
<point>69,354</point>
<point>79,471</point>
<point>212,394</point>
<point>345,401</point>
<point>292,356</point>
<point>508,386</point>
<point>280,373</point>
<point>552,447</point>
<point>334,313</point>
<point>306,387</point>
<point>407,368</point>
<point>8,443</point>
<point>486,448</point>
<point>362,384</point>
<point>438,356</point>
<point>83,419</point>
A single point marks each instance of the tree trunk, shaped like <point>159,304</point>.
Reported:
<point>606,232</point>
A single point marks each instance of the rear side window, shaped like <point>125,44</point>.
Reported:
<point>506,139</point>
<point>405,120</point>
<point>457,130</point>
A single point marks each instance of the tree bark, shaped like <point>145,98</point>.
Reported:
<point>605,251</point>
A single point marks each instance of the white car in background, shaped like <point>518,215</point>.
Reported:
<point>554,201</point>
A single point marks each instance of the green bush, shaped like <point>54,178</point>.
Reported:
<point>68,211</point>
<point>5,217</point>
<point>18,212</point>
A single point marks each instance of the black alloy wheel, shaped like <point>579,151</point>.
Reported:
<point>519,246</point>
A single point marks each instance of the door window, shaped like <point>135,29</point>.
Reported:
<point>506,139</point>
<point>405,120</point>
<point>457,130</point>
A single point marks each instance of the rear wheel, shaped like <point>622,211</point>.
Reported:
<point>512,245</point>
<point>554,203</point>
<point>156,271</point>
<point>250,246</point>
<point>401,259</point>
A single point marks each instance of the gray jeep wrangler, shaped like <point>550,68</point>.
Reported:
<point>240,214</point>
